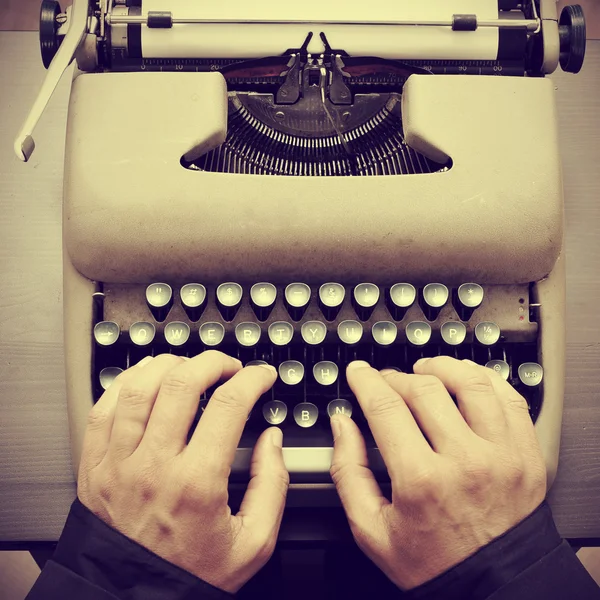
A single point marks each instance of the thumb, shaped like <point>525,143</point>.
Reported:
<point>359,492</point>
<point>264,501</point>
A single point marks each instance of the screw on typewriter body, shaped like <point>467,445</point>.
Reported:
<point>331,298</point>
<point>262,298</point>
<point>159,297</point>
<point>193,300</point>
<point>229,298</point>
<point>399,298</point>
<point>434,298</point>
<point>364,299</point>
<point>467,299</point>
<point>297,297</point>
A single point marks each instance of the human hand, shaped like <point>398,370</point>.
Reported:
<point>461,476</point>
<point>139,474</point>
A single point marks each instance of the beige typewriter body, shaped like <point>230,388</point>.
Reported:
<point>134,215</point>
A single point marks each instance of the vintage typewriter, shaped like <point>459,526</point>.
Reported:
<point>306,185</point>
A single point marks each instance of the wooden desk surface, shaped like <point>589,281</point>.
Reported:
<point>36,483</point>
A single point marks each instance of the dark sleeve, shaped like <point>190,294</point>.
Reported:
<point>96,562</point>
<point>528,561</point>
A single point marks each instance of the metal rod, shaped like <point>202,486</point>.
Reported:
<point>529,24</point>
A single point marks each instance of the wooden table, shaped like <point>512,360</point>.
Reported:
<point>36,481</point>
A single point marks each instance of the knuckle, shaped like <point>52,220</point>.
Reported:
<point>228,397</point>
<point>177,381</point>
<point>517,403</point>
<point>383,405</point>
<point>478,383</point>
<point>98,417</point>
<point>132,395</point>
<point>146,486</point>
<point>422,485</point>
<point>422,386</point>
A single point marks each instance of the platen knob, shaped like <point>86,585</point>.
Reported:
<point>49,40</point>
<point>572,33</point>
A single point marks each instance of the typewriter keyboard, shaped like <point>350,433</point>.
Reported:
<point>310,334</point>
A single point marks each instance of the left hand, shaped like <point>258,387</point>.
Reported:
<point>139,474</point>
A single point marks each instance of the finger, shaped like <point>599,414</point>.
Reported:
<point>472,387</point>
<point>101,419</point>
<point>394,428</point>
<point>516,413</point>
<point>134,405</point>
<point>262,507</point>
<point>178,398</point>
<point>355,483</point>
<point>218,432</point>
<point>433,408</point>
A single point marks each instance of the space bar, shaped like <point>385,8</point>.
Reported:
<point>305,465</point>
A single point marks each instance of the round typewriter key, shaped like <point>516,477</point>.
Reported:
<point>385,333</point>
<point>314,332</point>
<point>470,295</point>
<point>297,295</point>
<point>257,363</point>
<point>106,333</point>
<point>453,333</point>
<point>263,295</point>
<point>418,333</point>
<point>291,372</point>
<point>326,372</point>
<point>500,366</point>
<point>159,297</point>
<point>306,414</point>
<point>193,295</point>
<point>487,333</point>
<point>177,333</point>
<point>142,333</point>
<point>229,294</point>
<point>281,333</point>
<point>366,295</point>
<point>350,332</point>
<point>248,334</point>
<point>274,412</point>
<point>108,375</point>
<point>531,374</point>
<point>435,295</point>
<point>332,295</point>
<point>212,333</point>
<point>339,407</point>
<point>403,295</point>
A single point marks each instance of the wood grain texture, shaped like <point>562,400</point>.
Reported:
<point>36,484</point>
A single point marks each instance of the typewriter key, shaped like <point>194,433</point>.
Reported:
<point>229,297</point>
<point>212,334</point>
<point>364,299</point>
<point>193,299</point>
<point>487,333</point>
<point>326,372</point>
<point>262,297</point>
<point>339,407</point>
<point>350,332</point>
<point>501,367</point>
<point>384,333</point>
<point>274,412</point>
<point>306,414</point>
<point>142,333</point>
<point>108,375</point>
<point>281,333</point>
<point>469,296</point>
<point>177,333</point>
<point>435,296</point>
<point>291,372</point>
<point>248,334</point>
<point>331,298</point>
<point>314,332</point>
<point>399,299</point>
<point>418,333</point>
<point>297,297</point>
<point>453,333</point>
<point>531,374</point>
<point>159,297</point>
<point>106,333</point>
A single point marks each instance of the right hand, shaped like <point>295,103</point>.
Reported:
<point>461,475</point>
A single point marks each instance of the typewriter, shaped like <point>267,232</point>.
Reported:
<point>308,184</point>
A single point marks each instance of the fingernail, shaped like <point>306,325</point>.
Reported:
<point>145,361</point>
<point>421,361</point>
<point>269,368</point>
<point>277,437</point>
<point>336,428</point>
<point>358,364</point>
<point>390,371</point>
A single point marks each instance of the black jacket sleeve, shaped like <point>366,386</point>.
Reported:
<point>529,561</point>
<point>93,561</point>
